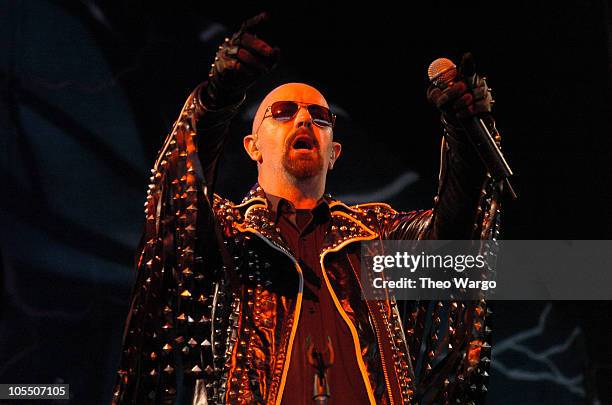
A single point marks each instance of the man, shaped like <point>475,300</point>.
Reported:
<point>260,302</point>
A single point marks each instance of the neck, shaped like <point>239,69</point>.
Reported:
<point>302,193</point>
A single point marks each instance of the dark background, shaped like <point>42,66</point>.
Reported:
<point>89,89</point>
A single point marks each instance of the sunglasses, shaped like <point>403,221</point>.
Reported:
<point>284,111</point>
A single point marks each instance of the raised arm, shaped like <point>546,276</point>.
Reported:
<point>165,346</point>
<point>456,335</point>
<point>463,203</point>
<point>239,62</point>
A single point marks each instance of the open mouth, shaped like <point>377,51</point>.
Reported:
<point>304,142</point>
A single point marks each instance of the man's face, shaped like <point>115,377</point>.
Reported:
<point>297,146</point>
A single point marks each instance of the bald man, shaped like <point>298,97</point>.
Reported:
<point>293,156</point>
<point>259,302</point>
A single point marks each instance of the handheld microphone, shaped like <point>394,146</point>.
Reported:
<point>442,72</point>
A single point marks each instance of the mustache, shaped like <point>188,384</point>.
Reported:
<point>300,132</point>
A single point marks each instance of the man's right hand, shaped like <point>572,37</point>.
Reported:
<point>240,61</point>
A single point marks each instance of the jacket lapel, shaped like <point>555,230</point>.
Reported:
<point>346,225</point>
<point>258,218</point>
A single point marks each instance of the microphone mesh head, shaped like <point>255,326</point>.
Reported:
<point>442,70</point>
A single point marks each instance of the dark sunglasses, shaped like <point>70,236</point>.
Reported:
<point>284,111</point>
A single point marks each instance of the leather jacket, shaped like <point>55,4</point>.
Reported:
<point>218,293</point>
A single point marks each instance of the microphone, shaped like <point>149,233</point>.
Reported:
<point>442,73</point>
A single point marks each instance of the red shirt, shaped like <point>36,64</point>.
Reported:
<point>304,232</point>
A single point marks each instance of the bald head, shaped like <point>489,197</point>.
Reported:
<point>289,92</point>
<point>293,155</point>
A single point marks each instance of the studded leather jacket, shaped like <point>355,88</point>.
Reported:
<point>217,296</point>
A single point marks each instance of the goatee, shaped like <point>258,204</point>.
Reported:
<point>303,167</point>
<point>304,161</point>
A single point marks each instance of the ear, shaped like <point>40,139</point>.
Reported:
<point>336,150</point>
<point>250,145</point>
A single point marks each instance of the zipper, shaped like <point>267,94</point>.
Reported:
<point>297,311</point>
<point>346,319</point>
<point>380,349</point>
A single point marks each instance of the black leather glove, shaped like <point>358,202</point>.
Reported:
<point>466,96</point>
<point>239,62</point>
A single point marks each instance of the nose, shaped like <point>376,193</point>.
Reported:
<point>303,118</point>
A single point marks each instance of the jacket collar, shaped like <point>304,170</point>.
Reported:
<point>347,224</point>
